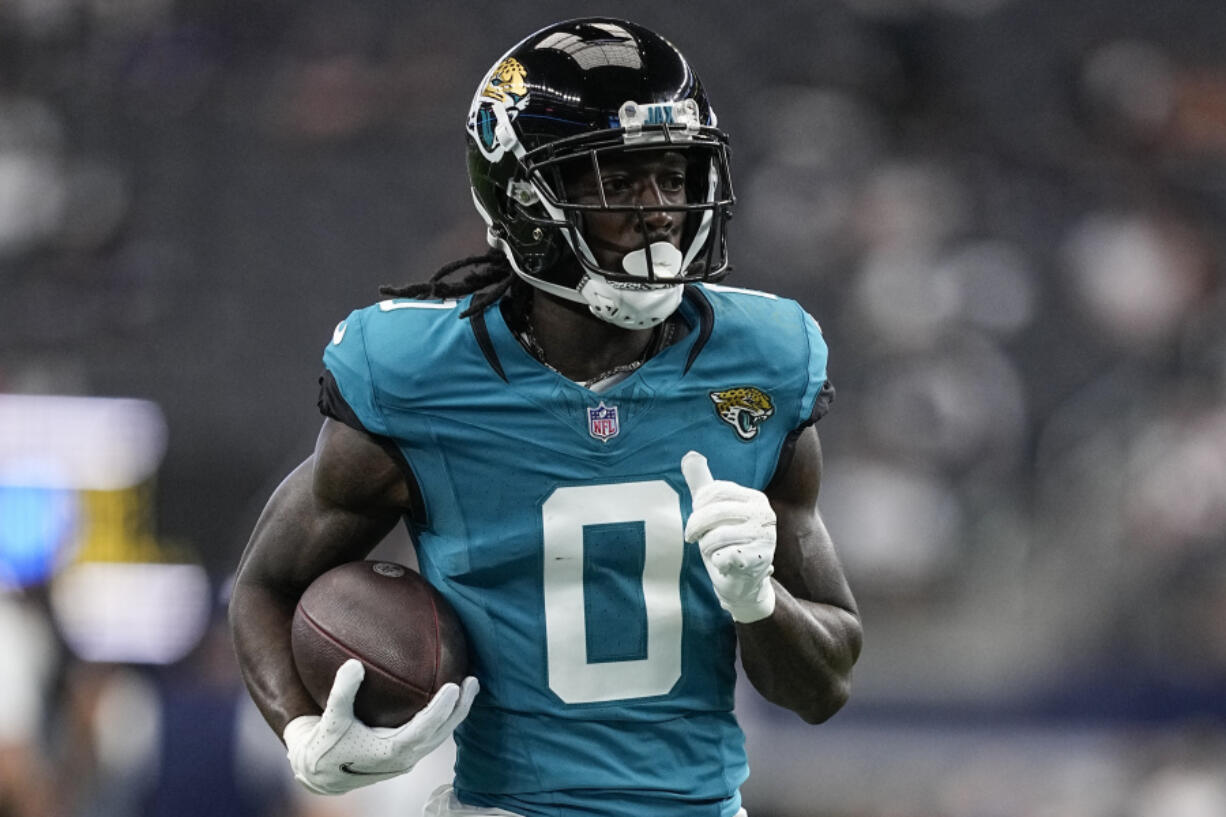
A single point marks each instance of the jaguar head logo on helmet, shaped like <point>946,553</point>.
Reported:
<point>508,80</point>
<point>573,101</point>
<point>499,101</point>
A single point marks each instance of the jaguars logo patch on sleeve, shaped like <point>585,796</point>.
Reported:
<point>744,408</point>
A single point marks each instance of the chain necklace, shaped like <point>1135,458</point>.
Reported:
<point>662,337</point>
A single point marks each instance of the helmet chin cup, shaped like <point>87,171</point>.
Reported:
<point>637,306</point>
<point>630,308</point>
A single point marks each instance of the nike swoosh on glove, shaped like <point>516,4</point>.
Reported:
<point>734,527</point>
<point>335,752</point>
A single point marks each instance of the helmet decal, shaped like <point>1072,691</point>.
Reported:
<point>508,80</point>
<point>504,92</point>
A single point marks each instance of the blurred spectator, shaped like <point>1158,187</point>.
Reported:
<point>181,741</point>
<point>27,774</point>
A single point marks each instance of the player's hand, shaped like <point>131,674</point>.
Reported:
<point>734,527</point>
<point>335,752</point>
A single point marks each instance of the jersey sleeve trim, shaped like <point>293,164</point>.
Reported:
<point>821,406</point>
<point>821,400</point>
<point>824,398</point>
<point>333,404</point>
<point>821,395</point>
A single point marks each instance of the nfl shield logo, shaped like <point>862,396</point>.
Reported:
<point>602,422</point>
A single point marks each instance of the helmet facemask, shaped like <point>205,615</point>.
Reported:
<point>645,288</point>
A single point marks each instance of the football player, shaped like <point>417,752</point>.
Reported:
<point>607,462</point>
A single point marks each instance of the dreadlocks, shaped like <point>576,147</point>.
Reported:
<point>492,277</point>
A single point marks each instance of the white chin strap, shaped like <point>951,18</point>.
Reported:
<point>637,306</point>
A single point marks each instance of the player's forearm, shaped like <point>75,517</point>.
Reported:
<point>266,590</point>
<point>260,622</point>
<point>801,656</point>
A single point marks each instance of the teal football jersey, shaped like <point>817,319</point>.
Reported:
<point>552,520</point>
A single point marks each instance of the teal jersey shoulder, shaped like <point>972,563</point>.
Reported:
<point>553,524</point>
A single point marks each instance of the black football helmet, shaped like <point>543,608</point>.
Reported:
<point>569,96</point>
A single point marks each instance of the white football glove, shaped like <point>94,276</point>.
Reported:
<point>335,752</point>
<point>734,527</point>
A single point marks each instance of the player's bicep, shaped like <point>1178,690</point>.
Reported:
<point>354,472</point>
<point>333,508</point>
<point>805,559</point>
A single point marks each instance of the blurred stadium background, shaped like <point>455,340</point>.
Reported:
<point>1007,214</point>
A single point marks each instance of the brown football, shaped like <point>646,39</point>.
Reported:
<point>388,617</point>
